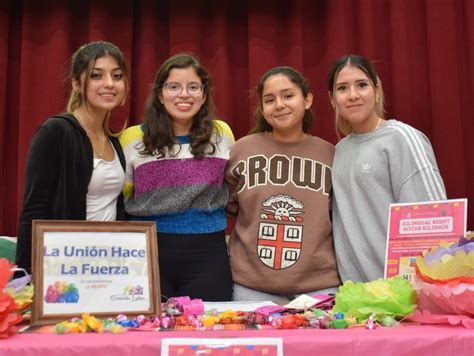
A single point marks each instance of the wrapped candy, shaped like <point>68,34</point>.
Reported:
<point>141,319</point>
<point>209,320</point>
<point>257,318</point>
<point>394,296</point>
<point>121,317</point>
<point>89,323</point>
<point>193,307</point>
<point>155,321</point>
<point>371,324</point>
<point>92,323</point>
<point>291,321</point>
<point>230,317</point>
<point>167,322</point>
<point>184,306</point>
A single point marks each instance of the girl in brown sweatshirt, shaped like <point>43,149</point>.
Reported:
<point>280,184</point>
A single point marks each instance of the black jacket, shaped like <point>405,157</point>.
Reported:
<point>58,171</point>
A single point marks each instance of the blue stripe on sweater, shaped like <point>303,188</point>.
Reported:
<point>192,221</point>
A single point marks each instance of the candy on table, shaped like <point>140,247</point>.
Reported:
<point>172,307</point>
<point>60,328</point>
<point>193,307</point>
<point>184,306</point>
<point>340,324</point>
<point>92,323</point>
<point>258,318</point>
<point>141,319</point>
<point>371,324</point>
<point>167,322</point>
<point>325,322</point>
<point>351,321</point>
<point>156,321</point>
<point>292,321</point>
<point>209,320</point>
<point>230,317</point>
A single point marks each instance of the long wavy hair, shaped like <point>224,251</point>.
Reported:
<point>343,127</point>
<point>82,62</point>
<point>158,136</point>
<point>295,77</point>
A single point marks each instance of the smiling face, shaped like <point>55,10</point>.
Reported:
<point>284,106</point>
<point>182,105</point>
<point>354,98</point>
<point>105,89</point>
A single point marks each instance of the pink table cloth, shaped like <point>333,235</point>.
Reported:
<point>405,340</point>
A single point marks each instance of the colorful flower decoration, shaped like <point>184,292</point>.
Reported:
<point>445,282</point>
<point>453,263</point>
<point>393,297</point>
<point>9,315</point>
<point>22,291</point>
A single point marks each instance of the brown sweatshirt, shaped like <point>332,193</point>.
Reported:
<point>280,197</point>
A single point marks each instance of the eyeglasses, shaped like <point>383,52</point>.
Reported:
<point>175,89</point>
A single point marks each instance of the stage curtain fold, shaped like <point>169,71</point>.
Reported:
<point>423,50</point>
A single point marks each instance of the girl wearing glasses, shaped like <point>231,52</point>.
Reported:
<point>280,181</point>
<point>175,177</point>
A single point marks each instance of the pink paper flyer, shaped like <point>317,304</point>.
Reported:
<point>415,227</point>
<point>265,346</point>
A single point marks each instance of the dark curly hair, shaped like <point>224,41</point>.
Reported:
<point>159,136</point>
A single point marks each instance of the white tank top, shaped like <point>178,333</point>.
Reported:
<point>104,188</point>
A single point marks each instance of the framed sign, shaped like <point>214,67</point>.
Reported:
<point>102,268</point>
<point>416,227</point>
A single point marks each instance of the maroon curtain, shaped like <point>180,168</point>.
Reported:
<point>423,50</point>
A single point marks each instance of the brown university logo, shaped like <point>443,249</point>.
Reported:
<point>280,232</point>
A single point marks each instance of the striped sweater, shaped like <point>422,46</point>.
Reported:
<point>183,194</point>
<point>393,164</point>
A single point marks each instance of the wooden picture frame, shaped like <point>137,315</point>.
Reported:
<point>97,267</point>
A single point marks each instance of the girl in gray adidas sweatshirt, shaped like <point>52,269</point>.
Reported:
<point>377,163</point>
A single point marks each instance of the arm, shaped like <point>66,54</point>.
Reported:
<point>42,170</point>
<point>418,174</point>
<point>222,127</point>
<point>232,178</point>
<point>127,139</point>
<point>229,178</point>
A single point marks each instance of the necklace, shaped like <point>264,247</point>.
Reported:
<point>101,154</point>
<point>93,138</point>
